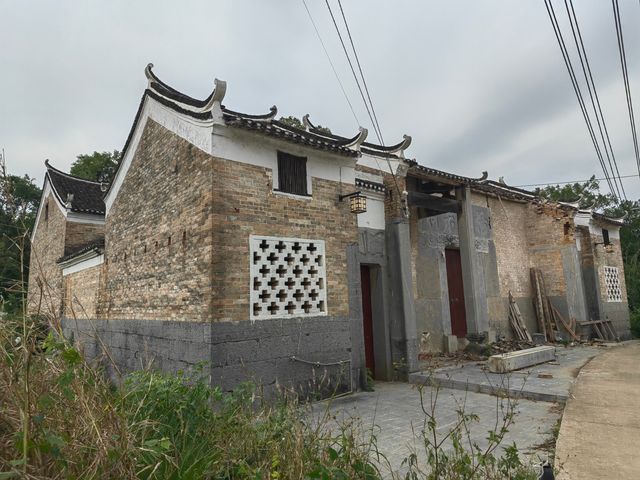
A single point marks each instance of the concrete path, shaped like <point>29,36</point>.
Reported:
<point>600,431</point>
<point>392,413</point>
<point>548,382</point>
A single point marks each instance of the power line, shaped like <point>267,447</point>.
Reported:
<point>344,48</point>
<point>625,78</point>
<point>366,88</point>
<point>576,87</point>
<point>372,117</point>
<point>635,175</point>
<point>582,53</point>
<point>344,92</point>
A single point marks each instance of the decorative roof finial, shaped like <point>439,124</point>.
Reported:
<point>220,89</point>
<point>358,139</point>
<point>306,122</point>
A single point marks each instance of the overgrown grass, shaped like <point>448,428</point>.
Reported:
<point>60,419</point>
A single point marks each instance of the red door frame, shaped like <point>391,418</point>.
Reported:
<point>456,293</point>
<point>367,318</point>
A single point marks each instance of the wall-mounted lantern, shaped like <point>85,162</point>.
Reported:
<point>357,202</point>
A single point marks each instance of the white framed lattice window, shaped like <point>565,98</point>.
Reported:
<point>612,284</point>
<point>288,277</point>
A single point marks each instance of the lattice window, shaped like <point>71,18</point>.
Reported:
<point>612,283</point>
<point>288,277</point>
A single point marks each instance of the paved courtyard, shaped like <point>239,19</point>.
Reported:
<point>394,415</point>
<point>393,412</point>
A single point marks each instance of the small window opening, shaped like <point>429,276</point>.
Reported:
<point>567,228</point>
<point>125,256</point>
<point>169,241</point>
<point>156,245</point>
<point>46,212</point>
<point>144,250</point>
<point>184,237</point>
<point>605,236</point>
<point>292,174</point>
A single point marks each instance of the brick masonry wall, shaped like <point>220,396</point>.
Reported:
<point>611,256</point>
<point>509,225</point>
<point>81,293</point>
<point>245,205</point>
<point>79,234</point>
<point>550,229</point>
<point>158,233</point>
<point>45,276</point>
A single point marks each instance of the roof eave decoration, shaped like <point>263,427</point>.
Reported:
<point>617,221</point>
<point>185,102</point>
<point>267,125</point>
<point>396,150</point>
<point>573,204</point>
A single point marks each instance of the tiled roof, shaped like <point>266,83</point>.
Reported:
<point>98,247</point>
<point>84,196</point>
<point>273,128</point>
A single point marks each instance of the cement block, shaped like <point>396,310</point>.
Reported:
<point>490,336</point>
<point>450,343</point>
<point>508,362</point>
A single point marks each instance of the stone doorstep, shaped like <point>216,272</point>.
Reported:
<point>508,362</point>
<point>516,392</point>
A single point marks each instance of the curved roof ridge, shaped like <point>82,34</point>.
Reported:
<point>68,175</point>
<point>398,147</point>
<point>167,91</point>
<point>273,111</point>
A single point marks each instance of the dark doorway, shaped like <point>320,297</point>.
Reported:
<point>367,318</point>
<point>456,293</point>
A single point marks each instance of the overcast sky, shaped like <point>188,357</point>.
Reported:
<point>478,84</point>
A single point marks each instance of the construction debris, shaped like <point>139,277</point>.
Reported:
<point>504,346</point>
<point>515,319</point>
<point>604,329</point>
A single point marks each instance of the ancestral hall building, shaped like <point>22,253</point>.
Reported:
<point>241,241</point>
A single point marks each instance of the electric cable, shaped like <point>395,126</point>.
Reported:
<point>576,88</point>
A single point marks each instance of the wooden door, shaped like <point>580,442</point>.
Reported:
<point>367,318</point>
<point>456,293</point>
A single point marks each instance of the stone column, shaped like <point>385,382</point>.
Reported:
<point>475,298</point>
<point>404,338</point>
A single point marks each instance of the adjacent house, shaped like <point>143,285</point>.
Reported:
<point>296,256</point>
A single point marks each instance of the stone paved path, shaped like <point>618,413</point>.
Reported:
<point>548,382</point>
<point>600,431</point>
<point>394,414</point>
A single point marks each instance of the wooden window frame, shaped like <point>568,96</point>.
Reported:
<point>292,175</point>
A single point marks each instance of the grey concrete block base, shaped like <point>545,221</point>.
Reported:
<point>450,344</point>
<point>302,354</point>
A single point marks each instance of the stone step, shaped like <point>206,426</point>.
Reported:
<point>508,362</point>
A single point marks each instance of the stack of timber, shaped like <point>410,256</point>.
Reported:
<point>548,316</point>
<point>517,324</point>
<point>603,329</point>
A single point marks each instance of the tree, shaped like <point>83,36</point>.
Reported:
<point>19,199</point>
<point>98,166</point>
<point>295,122</point>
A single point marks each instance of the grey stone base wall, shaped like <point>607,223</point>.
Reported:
<point>283,353</point>
<point>618,313</point>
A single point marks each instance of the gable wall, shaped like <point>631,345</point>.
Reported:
<point>79,234</point>
<point>45,276</point>
<point>158,240</point>
<point>82,293</point>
